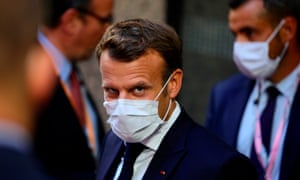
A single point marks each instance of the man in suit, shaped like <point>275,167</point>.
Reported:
<point>17,40</point>
<point>69,128</point>
<point>141,68</point>
<point>267,53</point>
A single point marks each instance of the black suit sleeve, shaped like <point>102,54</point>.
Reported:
<point>237,168</point>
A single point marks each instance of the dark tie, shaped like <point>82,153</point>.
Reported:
<point>80,109</point>
<point>131,153</point>
<point>266,119</point>
<point>77,97</point>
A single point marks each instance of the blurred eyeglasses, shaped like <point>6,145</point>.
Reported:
<point>101,20</point>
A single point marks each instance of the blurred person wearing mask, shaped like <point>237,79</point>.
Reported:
<point>152,136</point>
<point>69,128</point>
<point>20,58</point>
<point>257,112</point>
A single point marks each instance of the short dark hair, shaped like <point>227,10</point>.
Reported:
<point>276,9</point>
<point>56,8</point>
<point>130,39</point>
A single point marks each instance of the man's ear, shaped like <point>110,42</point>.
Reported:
<point>71,22</point>
<point>175,83</point>
<point>289,29</point>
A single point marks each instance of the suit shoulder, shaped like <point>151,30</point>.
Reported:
<point>203,146</point>
<point>206,144</point>
<point>16,164</point>
<point>233,80</point>
<point>236,81</point>
<point>110,139</point>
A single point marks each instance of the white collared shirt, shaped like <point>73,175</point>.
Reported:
<point>152,144</point>
<point>287,88</point>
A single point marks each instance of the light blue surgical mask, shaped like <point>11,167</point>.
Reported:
<point>135,120</point>
<point>252,58</point>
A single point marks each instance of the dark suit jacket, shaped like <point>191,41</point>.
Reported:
<point>60,143</point>
<point>227,105</point>
<point>16,165</point>
<point>187,151</point>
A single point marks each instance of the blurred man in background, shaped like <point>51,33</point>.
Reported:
<point>20,59</point>
<point>257,112</point>
<point>69,129</point>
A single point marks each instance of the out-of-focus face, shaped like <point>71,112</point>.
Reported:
<point>140,79</point>
<point>93,26</point>
<point>250,23</point>
<point>41,79</point>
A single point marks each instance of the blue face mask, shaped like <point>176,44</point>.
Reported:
<point>135,120</point>
<point>252,58</point>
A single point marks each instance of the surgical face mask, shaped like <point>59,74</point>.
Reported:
<point>252,58</point>
<point>135,120</point>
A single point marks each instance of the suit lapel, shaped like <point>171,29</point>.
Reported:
<point>112,148</point>
<point>238,100</point>
<point>291,145</point>
<point>170,152</point>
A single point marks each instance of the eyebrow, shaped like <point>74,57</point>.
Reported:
<point>130,86</point>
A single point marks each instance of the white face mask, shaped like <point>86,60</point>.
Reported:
<point>252,58</point>
<point>135,120</point>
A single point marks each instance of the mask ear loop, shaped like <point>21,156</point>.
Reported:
<point>286,45</point>
<point>170,101</point>
<point>164,86</point>
<point>167,112</point>
<point>275,33</point>
<point>276,30</point>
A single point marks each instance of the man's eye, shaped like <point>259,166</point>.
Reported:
<point>139,90</point>
<point>248,33</point>
<point>110,91</point>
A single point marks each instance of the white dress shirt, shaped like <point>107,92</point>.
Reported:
<point>287,88</point>
<point>152,144</point>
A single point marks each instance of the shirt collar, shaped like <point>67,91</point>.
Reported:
<point>287,86</point>
<point>154,141</point>
<point>61,63</point>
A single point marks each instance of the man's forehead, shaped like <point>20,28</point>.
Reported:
<point>102,7</point>
<point>144,69</point>
<point>249,14</point>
